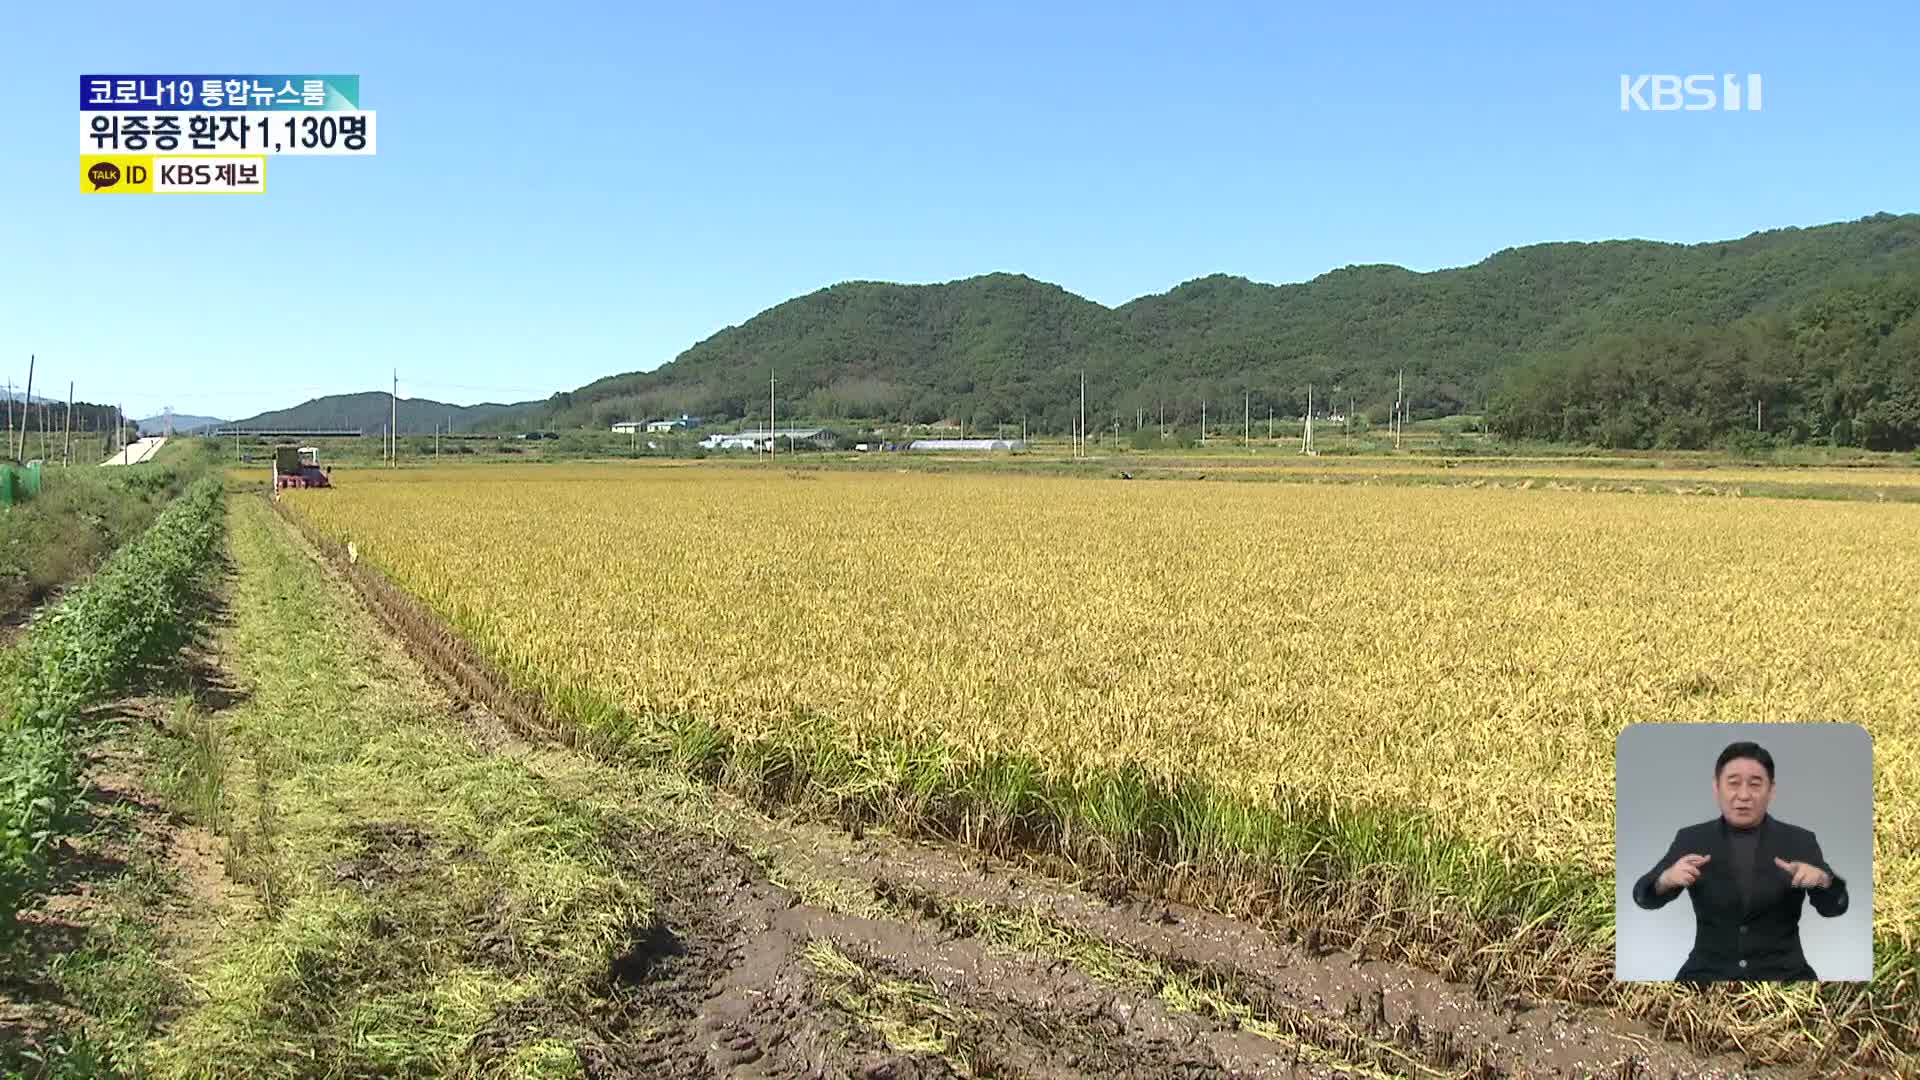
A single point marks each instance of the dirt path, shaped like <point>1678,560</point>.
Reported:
<point>137,451</point>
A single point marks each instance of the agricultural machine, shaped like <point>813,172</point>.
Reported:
<point>298,468</point>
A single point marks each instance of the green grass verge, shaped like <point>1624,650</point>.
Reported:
<point>119,977</point>
<point>427,908</point>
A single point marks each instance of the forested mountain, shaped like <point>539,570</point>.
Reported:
<point>1843,368</point>
<point>369,412</point>
<point>997,348</point>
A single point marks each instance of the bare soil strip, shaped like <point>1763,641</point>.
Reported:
<point>139,893</point>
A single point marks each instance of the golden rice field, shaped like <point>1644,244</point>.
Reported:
<point>1853,482</point>
<point>1468,652</point>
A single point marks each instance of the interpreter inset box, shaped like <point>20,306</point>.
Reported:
<point>1743,852</point>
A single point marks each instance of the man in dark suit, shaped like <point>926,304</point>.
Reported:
<point>1747,874</point>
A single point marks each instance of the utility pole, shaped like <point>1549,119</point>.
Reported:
<point>67,454</point>
<point>1756,416</point>
<point>10,418</point>
<point>393,422</point>
<point>1306,433</point>
<point>1269,423</point>
<point>1203,421</point>
<point>1246,419</point>
<point>1083,410</point>
<point>26,409</point>
<point>1400,409</point>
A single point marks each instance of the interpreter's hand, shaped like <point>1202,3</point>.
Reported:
<point>1804,875</point>
<point>1684,872</point>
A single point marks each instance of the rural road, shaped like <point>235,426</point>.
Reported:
<point>136,452</point>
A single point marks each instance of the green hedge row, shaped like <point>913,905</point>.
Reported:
<point>129,616</point>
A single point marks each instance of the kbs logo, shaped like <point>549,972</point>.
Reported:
<point>1689,93</point>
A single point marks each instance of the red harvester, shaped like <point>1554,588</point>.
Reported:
<point>298,468</point>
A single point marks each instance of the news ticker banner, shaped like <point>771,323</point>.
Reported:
<point>218,93</point>
<point>172,134</point>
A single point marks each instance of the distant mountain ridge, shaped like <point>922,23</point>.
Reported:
<point>1000,348</point>
<point>1006,349</point>
<point>368,411</point>
<point>183,424</point>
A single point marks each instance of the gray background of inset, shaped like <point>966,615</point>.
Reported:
<point>1663,780</point>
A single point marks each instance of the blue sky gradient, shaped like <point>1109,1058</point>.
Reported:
<point>566,190</point>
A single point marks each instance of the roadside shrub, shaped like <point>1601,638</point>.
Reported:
<point>37,784</point>
<point>129,616</point>
<point>1748,443</point>
<point>1682,433</point>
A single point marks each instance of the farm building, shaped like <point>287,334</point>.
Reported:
<point>627,427</point>
<point>809,438</point>
<point>966,444</point>
<point>668,427</point>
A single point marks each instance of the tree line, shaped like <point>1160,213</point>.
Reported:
<point>1842,369</point>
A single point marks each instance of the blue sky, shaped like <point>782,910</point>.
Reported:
<point>566,190</point>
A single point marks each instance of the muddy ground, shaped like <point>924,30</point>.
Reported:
<point>728,984</point>
<point>901,966</point>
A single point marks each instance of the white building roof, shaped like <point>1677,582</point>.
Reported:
<point>966,444</point>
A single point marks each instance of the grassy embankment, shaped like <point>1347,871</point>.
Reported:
<point>82,514</point>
